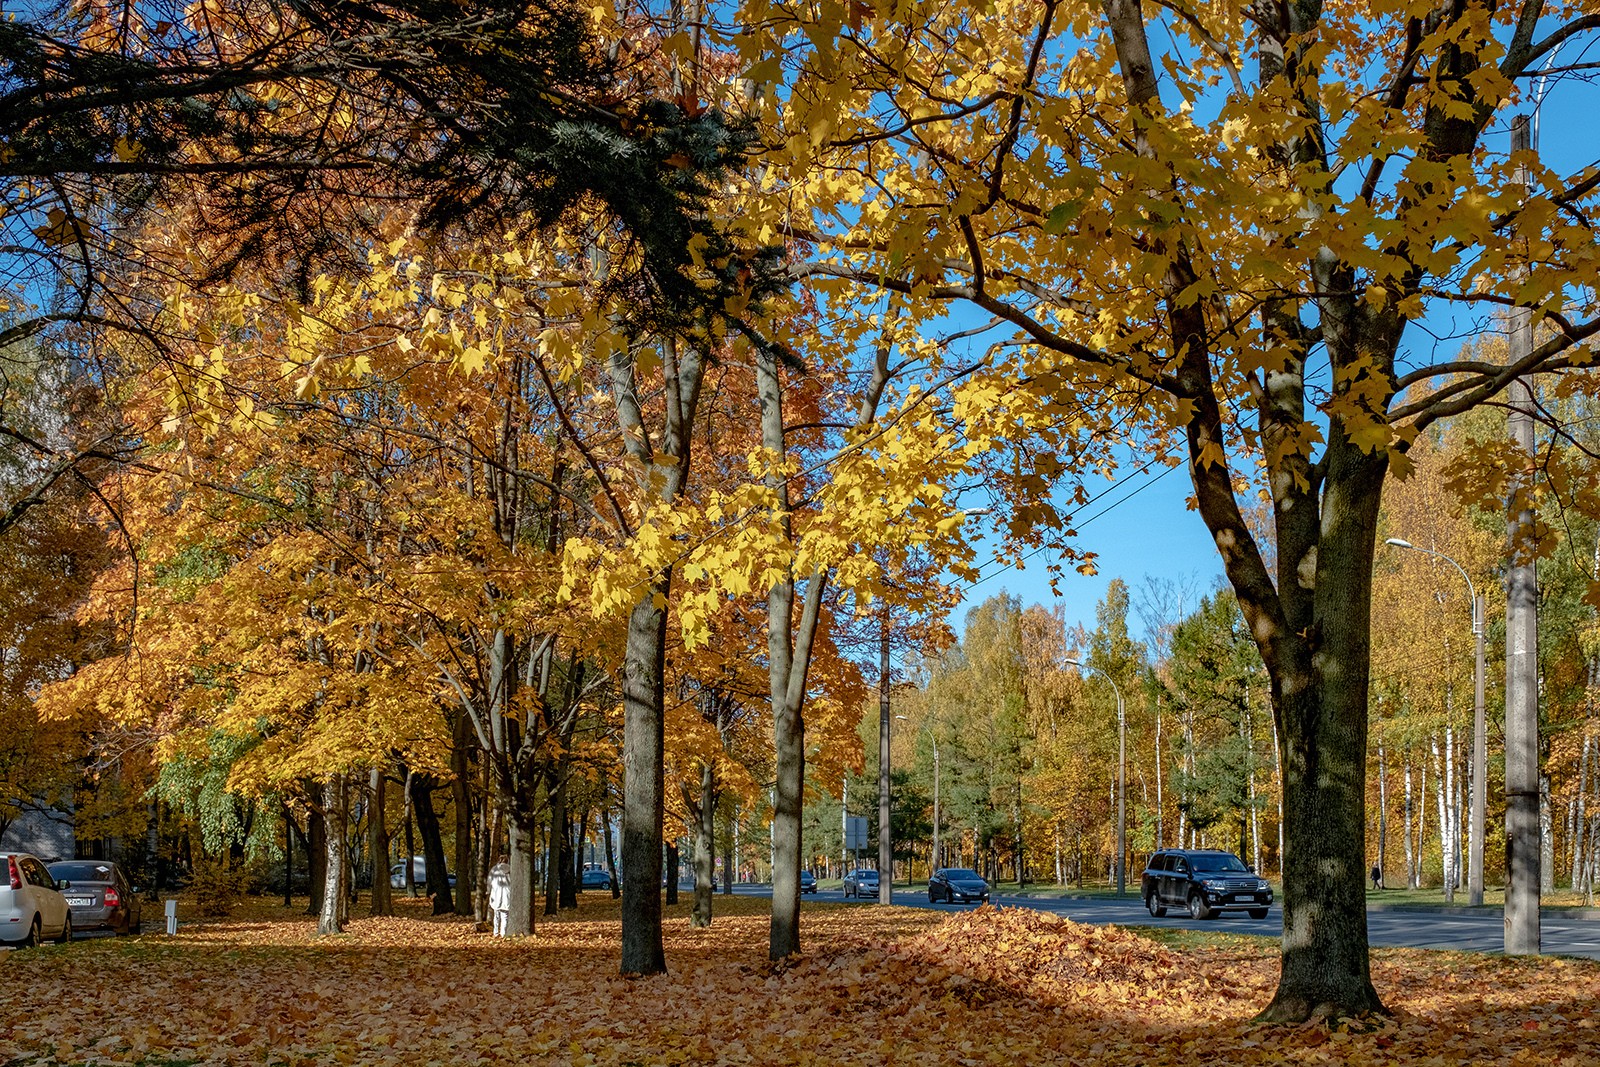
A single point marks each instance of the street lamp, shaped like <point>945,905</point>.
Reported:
<point>1480,744</point>
<point>1122,776</point>
<point>933,863</point>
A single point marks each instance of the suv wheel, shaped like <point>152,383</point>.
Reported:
<point>1157,909</point>
<point>1198,907</point>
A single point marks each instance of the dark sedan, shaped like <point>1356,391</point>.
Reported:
<point>808,882</point>
<point>100,896</point>
<point>957,884</point>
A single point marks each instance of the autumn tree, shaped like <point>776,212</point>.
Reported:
<point>1227,220</point>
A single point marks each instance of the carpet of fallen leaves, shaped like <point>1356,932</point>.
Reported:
<point>877,985</point>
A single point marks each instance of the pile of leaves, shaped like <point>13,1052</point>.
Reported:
<point>893,985</point>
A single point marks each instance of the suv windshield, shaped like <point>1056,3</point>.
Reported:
<point>1217,863</point>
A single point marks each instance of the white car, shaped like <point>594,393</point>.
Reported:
<point>31,905</point>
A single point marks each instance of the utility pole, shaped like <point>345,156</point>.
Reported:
<point>1480,761</point>
<point>885,845</point>
<point>1522,646</point>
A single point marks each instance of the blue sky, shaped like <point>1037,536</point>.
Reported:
<point>1142,526</point>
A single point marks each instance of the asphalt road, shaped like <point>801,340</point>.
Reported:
<point>1478,931</point>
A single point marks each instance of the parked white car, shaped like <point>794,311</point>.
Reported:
<point>31,905</point>
<point>419,872</point>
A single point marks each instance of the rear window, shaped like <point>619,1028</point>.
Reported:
<point>82,872</point>
<point>1161,863</point>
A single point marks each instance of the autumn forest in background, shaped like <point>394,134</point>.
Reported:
<point>567,432</point>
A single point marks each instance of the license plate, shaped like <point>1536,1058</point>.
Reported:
<point>1242,897</point>
<point>80,902</point>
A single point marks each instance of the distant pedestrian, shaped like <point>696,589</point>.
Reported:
<point>1377,875</point>
<point>500,895</point>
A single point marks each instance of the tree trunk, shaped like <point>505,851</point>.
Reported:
<point>461,798</point>
<point>643,804</point>
<point>730,852</point>
<point>556,790</point>
<point>567,880</point>
<point>1320,698</point>
<point>520,852</point>
<point>316,858</point>
<point>378,831</point>
<point>672,872</point>
<point>437,868</point>
<point>330,920</point>
<point>704,859</point>
<point>611,854</point>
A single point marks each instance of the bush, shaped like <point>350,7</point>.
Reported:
<point>216,886</point>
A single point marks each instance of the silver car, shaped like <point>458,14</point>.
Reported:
<point>31,904</point>
<point>101,897</point>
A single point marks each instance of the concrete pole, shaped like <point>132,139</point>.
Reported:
<point>1522,659</point>
<point>1480,762</point>
<point>1122,792</point>
<point>936,857</point>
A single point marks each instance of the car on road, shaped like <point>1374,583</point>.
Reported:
<point>419,874</point>
<point>808,882</point>
<point>1205,882</point>
<point>957,884</point>
<point>100,897</point>
<point>596,878</point>
<point>32,906</point>
<point>861,883</point>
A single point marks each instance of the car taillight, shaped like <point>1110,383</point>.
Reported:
<point>113,898</point>
<point>16,875</point>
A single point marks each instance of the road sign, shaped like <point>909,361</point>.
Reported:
<point>855,832</point>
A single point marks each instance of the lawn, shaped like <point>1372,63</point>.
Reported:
<point>883,985</point>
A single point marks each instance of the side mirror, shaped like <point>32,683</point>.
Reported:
<point>1252,868</point>
<point>63,884</point>
<point>135,890</point>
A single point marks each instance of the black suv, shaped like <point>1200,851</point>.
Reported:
<point>1205,881</point>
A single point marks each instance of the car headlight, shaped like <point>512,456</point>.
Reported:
<point>1213,883</point>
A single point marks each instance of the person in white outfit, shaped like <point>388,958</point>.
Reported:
<point>500,895</point>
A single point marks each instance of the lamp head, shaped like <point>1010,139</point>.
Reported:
<point>1074,663</point>
<point>1399,542</point>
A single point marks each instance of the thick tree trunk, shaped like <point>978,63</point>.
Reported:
<point>330,920</point>
<point>432,844</point>
<point>1323,716</point>
<point>643,700</point>
<point>520,852</point>
<point>316,858</point>
<point>704,860</point>
<point>378,845</point>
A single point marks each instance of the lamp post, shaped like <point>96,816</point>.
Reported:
<point>933,861</point>
<point>1480,744</point>
<point>1122,776</point>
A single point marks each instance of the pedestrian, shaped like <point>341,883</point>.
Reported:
<point>1377,875</point>
<point>500,894</point>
